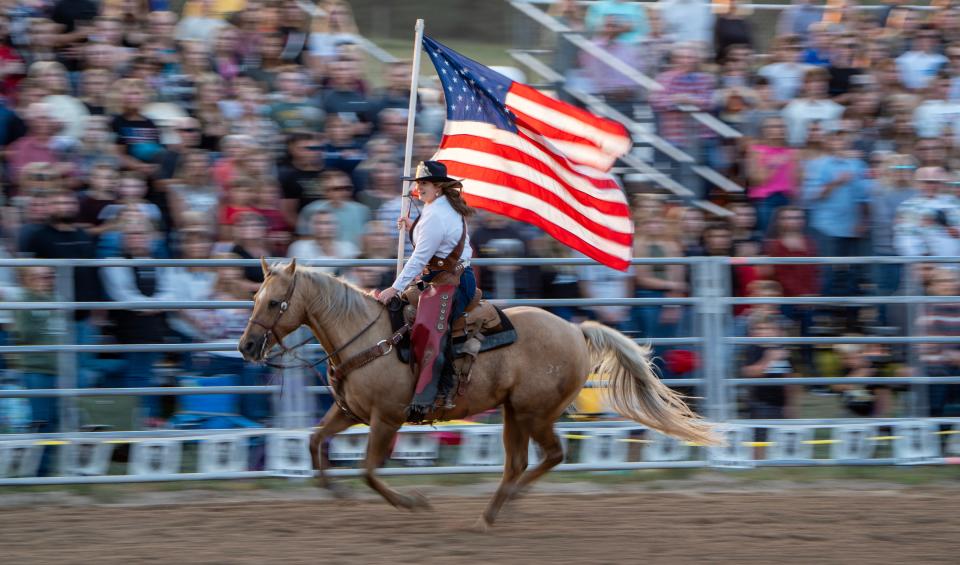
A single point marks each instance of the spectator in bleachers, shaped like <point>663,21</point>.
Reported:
<point>731,28</point>
<point>202,25</point>
<point>766,361</point>
<point>291,109</point>
<point>817,52</point>
<point>101,192</point>
<point>137,136</point>
<point>192,283</point>
<point>131,193</point>
<point>140,284</point>
<point>689,223</point>
<point>300,178</point>
<point>921,63</point>
<point>350,216</point>
<point>186,138</point>
<point>787,73</point>
<point>788,237</point>
<point>688,21</point>
<point>685,88</point>
<point>843,68</point>
<point>39,327</point>
<point>322,242</point>
<point>893,185</point>
<point>929,223</point>
<point>813,105</point>
<point>341,148</point>
<point>836,193</point>
<point>941,360</point>
<point>240,198</point>
<point>236,158</point>
<point>345,92</point>
<point>227,324</point>
<point>773,171</point>
<point>192,189</point>
<point>656,238</point>
<point>333,29</point>
<point>761,288</point>
<point>633,16</point>
<point>249,242</point>
<point>498,237</point>
<point>37,145</point>
<point>799,18</point>
<point>616,89</point>
<point>937,114</point>
<point>864,361</point>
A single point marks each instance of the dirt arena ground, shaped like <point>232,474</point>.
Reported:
<point>596,525</point>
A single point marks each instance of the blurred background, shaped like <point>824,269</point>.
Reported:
<point>793,182</point>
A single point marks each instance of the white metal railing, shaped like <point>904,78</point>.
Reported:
<point>710,302</point>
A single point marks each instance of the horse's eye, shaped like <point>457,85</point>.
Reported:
<point>274,303</point>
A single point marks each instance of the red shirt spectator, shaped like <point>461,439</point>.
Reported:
<point>789,240</point>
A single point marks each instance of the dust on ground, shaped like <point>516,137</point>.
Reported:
<point>559,523</point>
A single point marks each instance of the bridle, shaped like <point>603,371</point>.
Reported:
<point>382,348</point>
<point>338,374</point>
<point>271,329</point>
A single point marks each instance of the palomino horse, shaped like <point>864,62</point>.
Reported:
<point>534,380</point>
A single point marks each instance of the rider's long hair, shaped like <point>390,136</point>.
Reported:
<point>453,190</point>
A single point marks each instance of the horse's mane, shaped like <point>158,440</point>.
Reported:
<point>333,297</point>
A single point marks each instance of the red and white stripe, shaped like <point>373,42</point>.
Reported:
<point>544,175</point>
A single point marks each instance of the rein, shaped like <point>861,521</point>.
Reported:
<point>337,374</point>
<point>304,364</point>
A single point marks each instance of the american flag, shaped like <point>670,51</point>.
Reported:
<point>533,158</point>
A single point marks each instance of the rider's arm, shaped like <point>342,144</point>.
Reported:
<point>427,239</point>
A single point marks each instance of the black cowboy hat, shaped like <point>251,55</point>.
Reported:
<point>431,171</point>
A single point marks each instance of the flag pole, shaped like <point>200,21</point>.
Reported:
<point>408,149</point>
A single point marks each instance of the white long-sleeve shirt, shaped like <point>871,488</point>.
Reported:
<point>437,233</point>
<point>120,284</point>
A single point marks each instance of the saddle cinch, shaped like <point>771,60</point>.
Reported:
<point>483,327</point>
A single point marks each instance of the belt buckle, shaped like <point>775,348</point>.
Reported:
<point>385,350</point>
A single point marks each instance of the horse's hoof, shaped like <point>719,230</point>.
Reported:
<point>481,526</point>
<point>414,501</point>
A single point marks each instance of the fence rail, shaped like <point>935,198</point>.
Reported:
<point>709,304</point>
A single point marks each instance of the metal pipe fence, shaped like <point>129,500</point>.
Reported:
<point>710,308</point>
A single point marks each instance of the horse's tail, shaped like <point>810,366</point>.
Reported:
<point>635,391</point>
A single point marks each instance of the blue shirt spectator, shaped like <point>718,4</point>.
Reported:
<point>836,191</point>
<point>630,13</point>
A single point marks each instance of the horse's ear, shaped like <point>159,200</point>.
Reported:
<point>264,266</point>
<point>292,267</point>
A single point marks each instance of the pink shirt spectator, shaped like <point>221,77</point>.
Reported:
<point>28,150</point>
<point>782,164</point>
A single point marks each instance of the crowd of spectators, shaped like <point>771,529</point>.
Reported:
<point>849,116</point>
<point>129,130</point>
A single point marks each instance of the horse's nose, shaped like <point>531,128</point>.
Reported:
<point>248,347</point>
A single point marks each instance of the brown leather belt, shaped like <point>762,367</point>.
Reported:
<point>451,263</point>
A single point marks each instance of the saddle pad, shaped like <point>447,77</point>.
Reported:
<point>503,337</point>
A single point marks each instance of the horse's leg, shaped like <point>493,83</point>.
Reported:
<point>515,440</point>
<point>542,432</point>
<point>379,443</point>
<point>334,422</point>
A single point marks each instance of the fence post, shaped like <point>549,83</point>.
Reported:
<point>711,283</point>
<point>67,362</point>
<point>919,394</point>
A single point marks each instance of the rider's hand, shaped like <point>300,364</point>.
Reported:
<point>404,224</point>
<point>387,294</point>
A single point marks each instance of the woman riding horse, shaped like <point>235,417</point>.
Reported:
<point>441,257</point>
